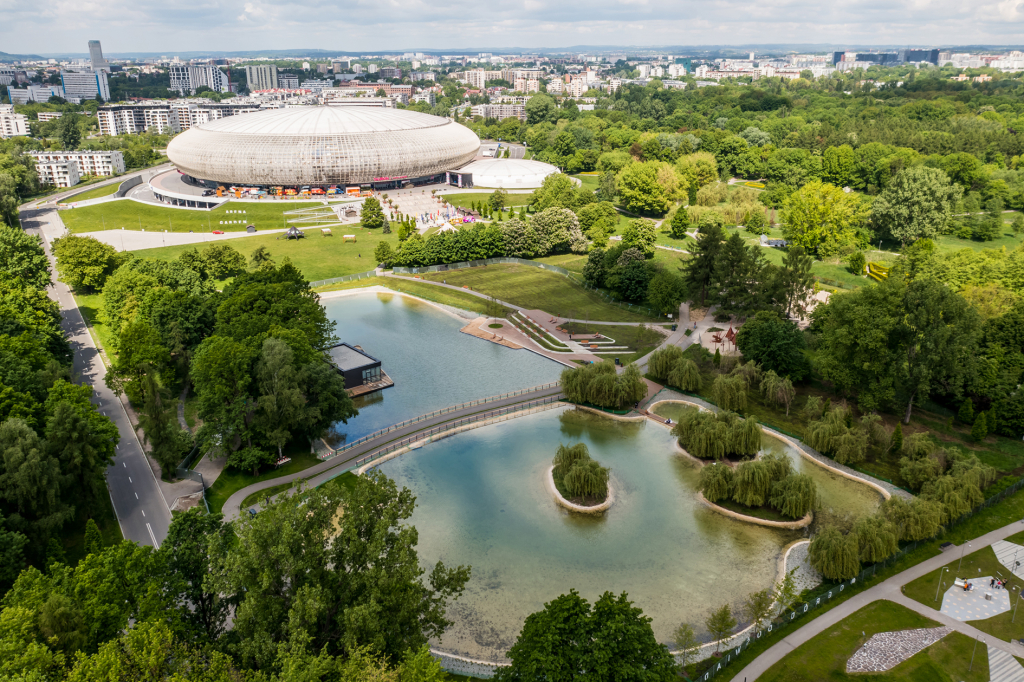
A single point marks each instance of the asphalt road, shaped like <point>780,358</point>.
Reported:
<point>141,509</point>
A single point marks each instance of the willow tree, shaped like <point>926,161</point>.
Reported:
<point>686,375</point>
<point>833,435</point>
<point>753,481</point>
<point>778,390</point>
<point>744,437</point>
<point>729,392</point>
<point>915,520</point>
<point>716,482</point>
<point>794,496</point>
<point>877,538</point>
<point>567,456</point>
<point>663,361</point>
<point>749,372</point>
<point>835,555</point>
<point>587,479</point>
<point>956,495</point>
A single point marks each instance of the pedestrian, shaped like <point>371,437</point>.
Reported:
<point>992,583</point>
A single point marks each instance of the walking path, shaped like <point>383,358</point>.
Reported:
<point>891,590</point>
<point>1002,667</point>
<point>343,461</point>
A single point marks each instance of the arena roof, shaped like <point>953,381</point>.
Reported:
<point>508,173</point>
<point>322,146</point>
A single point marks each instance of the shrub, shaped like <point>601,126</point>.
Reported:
<point>712,194</point>
<point>980,428</point>
<point>755,222</point>
<point>856,262</point>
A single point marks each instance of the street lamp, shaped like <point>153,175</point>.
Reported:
<point>944,570</point>
<point>962,550</point>
<point>971,666</point>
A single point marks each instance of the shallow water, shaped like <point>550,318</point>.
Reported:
<point>482,500</point>
<point>838,493</point>
<point>432,364</point>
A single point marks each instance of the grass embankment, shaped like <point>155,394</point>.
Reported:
<point>317,257</point>
<point>133,215</point>
<point>407,285</point>
<point>980,563</point>
<point>466,200</point>
<point>534,288</point>
<point>347,480</point>
<point>639,340</point>
<point>824,656</point>
<point>91,305</point>
<point>232,480</point>
<point>96,193</point>
<point>1005,454</point>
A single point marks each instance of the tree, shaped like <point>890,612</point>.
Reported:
<point>607,190</point>
<point>498,199</point>
<point>68,132</point>
<point>966,413</point>
<point>716,482</point>
<point>249,459</point>
<point>12,556</point>
<point>371,215</point>
<point>980,428</point>
<point>699,270</point>
<point>84,263</point>
<point>895,343</point>
<point>557,230</point>
<point>839,165</point>
<point>159,422</point>
<point>755,222</point>
<point>687,644</point>
<point>280,401</point>
<point>876,537</point>
<point>757,607</point>
<point>720,623</point>
<point>571,640</point>
<point>541,108</point>
<point>185,555</point>
<point>775,344</point>
<point>680,223</point>
<point>794,496</point>
<point>778,390</point>
<point>729,392</point>
<point>918,202</point>
<point>640,234</point>
<point>93,538</point>
<point>897,439</point>
<point>834,554</point>
<point>822,218</point>
<point>665,292</point>
<point>22,256</point>
<point>383,254</point>
<point>639,189</point>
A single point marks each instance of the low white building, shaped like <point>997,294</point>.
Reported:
<point>500,111</point>
<point>85,85</point>
<point>45,116</point>
<point>58,173</point>
<point>34,93</point>
<point>12,124</point>
<point>87,162</point>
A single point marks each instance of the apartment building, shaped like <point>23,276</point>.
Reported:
<point>430,97</point>
<point>187,79</point>
<point>261,77</point>
<point>500,111</point>
<point>12,124</point>
<point>422,76</point>
<point>79,86</point>
<point>34,93</point>
<point>288,81</point>
<point>527,85</point>
<point>103,163</point>
<point>390,72</point>
<point>173,116</point>
<point>44,116</point>
<point>58,173</point>
<point>474,78</point>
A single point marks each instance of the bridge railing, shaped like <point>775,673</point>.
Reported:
<point>332,452</point>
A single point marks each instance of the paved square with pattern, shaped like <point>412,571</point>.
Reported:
<point>972,605</point>
<point>888,649</point>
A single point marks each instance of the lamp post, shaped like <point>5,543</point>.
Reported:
<point>962,550</point>
<point>972,655</point>
<point>1016,604</point>
<point>944,570</point>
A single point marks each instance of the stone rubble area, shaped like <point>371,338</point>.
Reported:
<point>886,650</point>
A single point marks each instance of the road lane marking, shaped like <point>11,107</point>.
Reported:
<point>124,465</point>
<point>136,496</point>
<point>129,479</point>
<point>143,511</point>
<point>152,537</point>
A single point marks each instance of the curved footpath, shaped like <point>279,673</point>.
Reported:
<point>232,507</point>
<point>891,590</point>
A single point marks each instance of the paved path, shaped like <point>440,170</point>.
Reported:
<point>890,589</point>
<point>1002,667</point>
<point>232,506</point>
<point>138,501</point>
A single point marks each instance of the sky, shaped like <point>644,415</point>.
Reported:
<point>365,26</point>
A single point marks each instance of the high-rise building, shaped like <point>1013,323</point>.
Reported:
<point>288,81</point>
<point>261,77</point>
<point>85,85</point>
<point>96,57</point>
<point>390,72</point>
<point>187,79</point>
<point>476,78</point>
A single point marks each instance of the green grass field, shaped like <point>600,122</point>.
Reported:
<point>980,563</point>
<point>232,480</point>
<point>133,215</point>
<point>534,288</point>
<point>96,193</point>
<point>316,256</point>
<point>467,199</point>
<point>824,656</point>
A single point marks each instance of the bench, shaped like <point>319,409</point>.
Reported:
<point>346,237</point>
<point>325,231</point>
<point>282,461</point>
<point>961,583</point>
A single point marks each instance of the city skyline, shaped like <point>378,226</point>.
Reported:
<point>530,24</point>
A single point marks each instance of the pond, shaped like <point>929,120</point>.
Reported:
<point>432,364</point>
<point>482,501</point>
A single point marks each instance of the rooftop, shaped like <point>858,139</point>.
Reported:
<point>346,357</point>
<point>305,121</point>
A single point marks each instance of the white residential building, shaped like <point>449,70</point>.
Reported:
<point>428,96</point>
<point>58,173</point>
<point>88,162</point>
<point>45,116</point>
<point>422,76</point>
<point>288,81</point>
<point>80,86</point>
<point>187,79</point>
<point>556,87</point>
<point>34,93</point>
<point>7,75</point>
<point>261,77</point>
<point>12,124</point>
<point>676,70</point>
<point>577,87</point>
<point>527,85</point>
<point>475,78</point>
<point>500,111</point>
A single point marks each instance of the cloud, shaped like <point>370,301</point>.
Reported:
<point>362,26</point>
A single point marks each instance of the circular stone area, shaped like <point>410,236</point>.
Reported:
<point>509,173</point>
<point>344,145</point>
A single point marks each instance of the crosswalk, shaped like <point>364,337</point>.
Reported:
<point>1010,555</point>
<point>1003,667</point>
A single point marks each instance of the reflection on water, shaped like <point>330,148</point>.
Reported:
<point>431,363</point>
<point>838,493</point>
<point>482,500</point>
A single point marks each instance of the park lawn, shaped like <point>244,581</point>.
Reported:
<point>467,199</point>
<point>232,480</point>
<point>591,181</point>
<point>91,305</point>
<point>135,215</point>
<point>317,257</point>
<point>534,288</point>
<point>980,563</point>
<point>824,656</point>
<point>641,340</point>
<point>430,292</point>
<point>572,262</point>
<point>947,243</point>
<point>96,193</point>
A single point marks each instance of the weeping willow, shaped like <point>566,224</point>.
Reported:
<point>794,496</point>
<point>877,539</point>
<point>729,392</point>
<point>567,456</point>
<point>778,390</point>
<point>749,372</point>
<point>716,482</point>
<point>969,468</point>
<point>599,384</point>
<point>916,520</point>
<point>686,375</point>
<point>663,360</point>
<point>745,438</point>
<point>835,435</point>
<point>713,436</point>
<point>753,481</point>
<point>956,495</point>
<point>587,479</point>
<point>835,555</point>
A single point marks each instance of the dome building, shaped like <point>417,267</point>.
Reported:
<point>323,146</point>
<point>508,173</point>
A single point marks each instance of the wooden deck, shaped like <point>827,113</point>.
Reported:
<point>385,382</point>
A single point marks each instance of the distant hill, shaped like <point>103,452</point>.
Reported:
<point>10,58</point>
